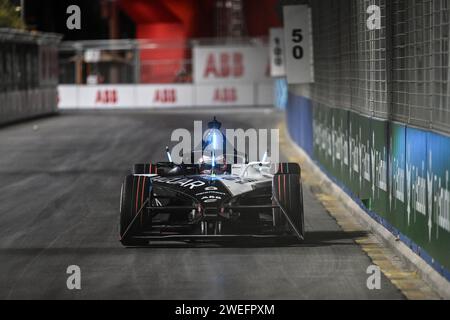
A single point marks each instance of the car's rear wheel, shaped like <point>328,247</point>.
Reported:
<point>134,193</point>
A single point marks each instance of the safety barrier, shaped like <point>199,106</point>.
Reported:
<point>28,74</point>
<point>164,95</point>
<point>377,117</point>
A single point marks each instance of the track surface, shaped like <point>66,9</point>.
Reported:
<point>59,197</point>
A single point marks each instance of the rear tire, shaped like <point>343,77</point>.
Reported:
<point>134,193</point>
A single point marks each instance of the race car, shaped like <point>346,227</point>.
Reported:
<point>216,197</point>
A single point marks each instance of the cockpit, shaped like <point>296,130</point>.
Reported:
<point>213,158</point>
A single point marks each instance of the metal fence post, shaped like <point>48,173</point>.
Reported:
<point>137,63</point>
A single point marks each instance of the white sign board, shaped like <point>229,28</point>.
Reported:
<point>165,96</point>
<point>298,44</point>
<point>232,64</point>
<point>106,96</point>
<point>225,95</point>
<point>67,96</point>
<point>277,56</point>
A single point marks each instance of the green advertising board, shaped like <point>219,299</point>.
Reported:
<point>399,173</point>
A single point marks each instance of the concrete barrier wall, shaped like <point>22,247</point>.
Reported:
<point>399,174</point>
<point>300,122</point>
<point>28,74</point>
<point>18,105</point>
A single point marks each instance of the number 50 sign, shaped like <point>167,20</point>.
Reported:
<point>298,44</point>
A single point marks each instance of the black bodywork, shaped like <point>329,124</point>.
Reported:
<point>177,202</point>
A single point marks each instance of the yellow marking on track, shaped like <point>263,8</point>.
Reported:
<point>401,274</point>
<point>408,282</point>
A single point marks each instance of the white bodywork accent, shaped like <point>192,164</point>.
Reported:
<point>245,176</point>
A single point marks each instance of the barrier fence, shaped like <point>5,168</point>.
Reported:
<point>398,72</point>
<point>28,74</point>
<point>377,118</point>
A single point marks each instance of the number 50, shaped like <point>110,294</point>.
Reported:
<point>297,38</point>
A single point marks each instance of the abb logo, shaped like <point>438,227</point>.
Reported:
<point>165,96</point>
<point>224,65</point>
<point>225,95</point>
<point>106,96</point>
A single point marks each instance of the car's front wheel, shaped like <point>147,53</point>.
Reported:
<point>134,193</point>
<point>287,190</point>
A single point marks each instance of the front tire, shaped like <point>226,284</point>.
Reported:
<point>134,193</point>
<point>288,190</point>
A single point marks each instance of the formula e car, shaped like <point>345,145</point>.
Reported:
<point>211,199</point>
